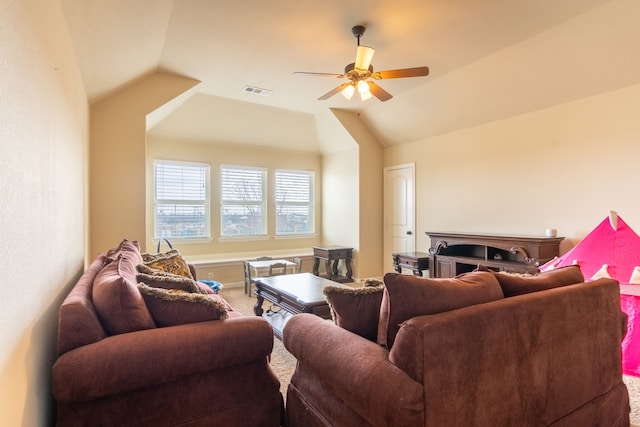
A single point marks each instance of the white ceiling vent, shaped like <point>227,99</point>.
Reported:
<point>257,91</point>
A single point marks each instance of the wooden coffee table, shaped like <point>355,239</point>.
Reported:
<point>293,293</point>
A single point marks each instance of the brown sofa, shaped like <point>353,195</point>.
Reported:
<point>483,349</point>
<point>206,373</point>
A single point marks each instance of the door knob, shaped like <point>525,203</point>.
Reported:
<point>409,233</point>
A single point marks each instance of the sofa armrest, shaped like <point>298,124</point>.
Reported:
<point>126,362</point>
<point>355,369</point>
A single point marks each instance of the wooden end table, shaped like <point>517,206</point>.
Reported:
<point>293,293</point>
<point>332,255</point>
<point>414,261</point>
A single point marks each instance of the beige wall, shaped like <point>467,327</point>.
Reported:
<point>44,133</point>
<point>118,158</point>
<point>340,207</point>
<point>563,167</point>
<point>369,196</point>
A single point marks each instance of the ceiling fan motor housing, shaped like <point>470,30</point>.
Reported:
<point>358,31</point>
<point>351,71</point>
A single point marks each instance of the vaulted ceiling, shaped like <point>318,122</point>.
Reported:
<point>489,59</point>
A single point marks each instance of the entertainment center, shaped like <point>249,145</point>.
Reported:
<point>451,254</point>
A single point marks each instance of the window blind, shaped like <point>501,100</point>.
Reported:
<point>294,202</point>
<point>181,200</point>
<point>243,201</point>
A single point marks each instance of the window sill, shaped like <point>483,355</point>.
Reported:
<point>186,240</point>
<point>295,236</point>
<point>226,239</point>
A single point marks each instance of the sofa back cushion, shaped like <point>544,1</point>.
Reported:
<point>518,284</point>
<point>118,302</point>
<point>129,248</point>
<point>408,296</point>
<point>356,309</point>
<point>78,322</point>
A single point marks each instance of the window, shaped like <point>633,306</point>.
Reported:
<point>243,201</point>
<point>181,200</point>
<point>294,202</point>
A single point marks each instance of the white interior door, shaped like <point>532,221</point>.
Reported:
<point>399,211</point>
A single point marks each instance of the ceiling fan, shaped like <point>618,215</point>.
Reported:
<point>361,71</point>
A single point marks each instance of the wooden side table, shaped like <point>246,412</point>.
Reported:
<point>332,255</point>
<point>414,261</point>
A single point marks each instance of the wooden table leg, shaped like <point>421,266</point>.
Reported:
<point>316,264</point>
<point>327,266</point>
<point>347,263</point>
<point>257,309</point>
<point>335,267</point>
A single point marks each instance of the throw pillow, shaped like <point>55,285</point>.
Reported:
<point>170,307</point>
<point>118,303</point>
<point>407,296</point>
<point>518,284</point>
<point>356,309</point>
<point>169,281</point>
<point>145,269</point>
<point>171,262</point>
<point>146,257</point>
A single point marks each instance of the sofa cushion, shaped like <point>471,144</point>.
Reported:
<point>118,302</point>
<point>171,262</point>
<point>407,296</point>
<point>518,284</point>
<point>170,307</point>
<point>170,281</point>
<point>356,309</point>
<point>131,249</point>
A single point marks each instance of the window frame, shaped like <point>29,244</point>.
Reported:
<point>206,203</point>
<point>310,204</point>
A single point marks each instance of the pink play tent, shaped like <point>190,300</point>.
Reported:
<point>612,250</point>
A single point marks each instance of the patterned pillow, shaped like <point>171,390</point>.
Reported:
<point>170,281</point>
<point>170,307</point>
<point>408,296</point>
<point>171,262</point>
<point>146,257</point>
<point>356,309</point>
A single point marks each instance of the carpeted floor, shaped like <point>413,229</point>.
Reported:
<point>283,363</point>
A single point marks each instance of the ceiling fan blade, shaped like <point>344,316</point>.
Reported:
<point>333,91</point>
<point>364,55</point>
<point>378,92</point>
<point>318,74</point>
<point>404,72</point>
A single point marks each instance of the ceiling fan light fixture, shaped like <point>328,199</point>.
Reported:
<point>348,91</point>
<point>365,95</point>
<point>363,87</point>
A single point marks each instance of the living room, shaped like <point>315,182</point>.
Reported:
<point>560,160</point>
